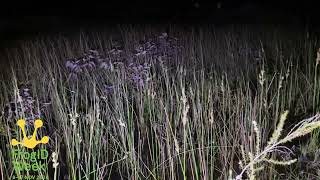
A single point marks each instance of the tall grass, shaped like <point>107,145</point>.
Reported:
<point>191,120</point>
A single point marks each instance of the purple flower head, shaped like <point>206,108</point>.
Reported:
<point>89,62</point>
<point>105,65</point>
<point>161,46</point>
<point>25,106</point>
<point>108,89</point>
<point>134,64</point>
<point>138,73</point>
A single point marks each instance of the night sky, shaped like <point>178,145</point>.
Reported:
<point>23,19</point>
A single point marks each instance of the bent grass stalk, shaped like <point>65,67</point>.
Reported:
<point>302,128</point>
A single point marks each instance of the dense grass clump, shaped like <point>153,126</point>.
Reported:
<point>200,103</point>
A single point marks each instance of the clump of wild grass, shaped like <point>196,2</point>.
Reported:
<point>193,113</point>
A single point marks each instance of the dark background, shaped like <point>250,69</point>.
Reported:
<point>28,18</point>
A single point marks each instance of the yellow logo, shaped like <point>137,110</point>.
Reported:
<point>32,142</point>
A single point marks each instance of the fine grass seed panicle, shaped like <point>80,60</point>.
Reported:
<point>274,144</point>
